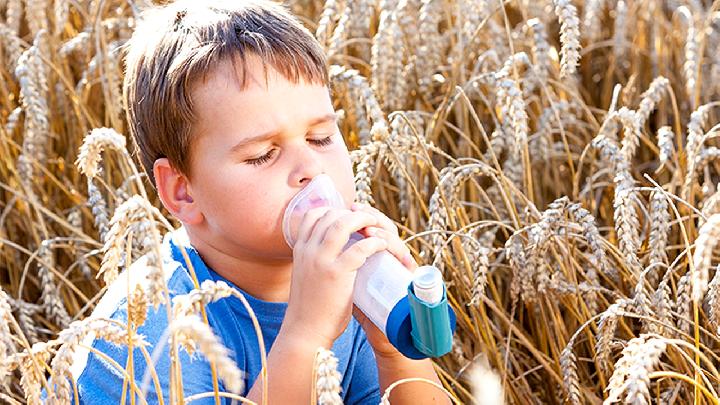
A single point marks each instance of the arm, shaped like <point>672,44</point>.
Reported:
<point>320,302</point>
<point>391,369</point>
<point>289,368</point>
<point>392,365</point>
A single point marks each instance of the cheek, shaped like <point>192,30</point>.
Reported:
<point>343,177</point>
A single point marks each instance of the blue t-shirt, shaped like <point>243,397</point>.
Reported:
<point>99,382</point>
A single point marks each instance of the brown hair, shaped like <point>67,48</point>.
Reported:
<point>175,44</point>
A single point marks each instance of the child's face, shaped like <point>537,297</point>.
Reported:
<point>242,186</point>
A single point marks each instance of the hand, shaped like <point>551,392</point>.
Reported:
<point>388,231</point>
<point>320,301</point>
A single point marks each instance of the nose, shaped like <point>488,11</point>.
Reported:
<point>307,165</point>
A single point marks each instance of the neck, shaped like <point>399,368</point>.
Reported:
<point>266,279</point>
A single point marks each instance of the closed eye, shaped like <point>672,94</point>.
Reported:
<point>262,159</point>
<point>259,161</point>
<point>323,141</point>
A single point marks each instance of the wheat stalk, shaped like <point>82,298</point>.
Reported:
<point>540,48</point>
<point>32,73</point>
<point>36,15</point>
<point>25,312</point>
<point>50,294</point>
<point>137,306</point>
<point>508,92</point>
<point>592,27</point>
<point>659,227</point>
<point>702,258</point>
<point>665,138</point>
<point>571,381</point>
<point>651,97</point>
<point>70,338</point>
<point>341,32</point>
<point>191,331</point>
<point>13,15</point>
<point>32,373</point>
<point>327,381</point>
<point>606,332</point>
<point>625,215</point>
<point>682,302</point>
<point>620,33</point>
<point>327,19</point>
<point>485,384</point>
<point>662,306</point>
<point>430,44</point>
<point>136,209</point>
<point>7,346</point>
<point>569,36</point>
<point>692,56</point>
<point>595,242</point>
<point>11,45</point>
<point>478,253</point>
<point>713,300</point>
<point>632,370</point>
<point>209,291</point>
<point>694,145</point>
<point>94,144</point>
<point>387,59</point>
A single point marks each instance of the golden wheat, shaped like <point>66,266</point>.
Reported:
<point>558,160</point>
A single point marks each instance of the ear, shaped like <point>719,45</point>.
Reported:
<point>175,193</point>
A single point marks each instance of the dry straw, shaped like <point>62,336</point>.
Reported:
<point>32,74</point>
<point>136,210</point>
<point>702,257</point>
<point>659,227</point>
<point>70,339</point>
<point>665,137</point>
<point>193,333</point>
<point>50,295</point>
<point>327,381</point>
<point>486,385</point>
<point>569,36</point>
<point>462,119</point>
<point>632,370</point>
<point>7,345</point>
<point>95,143</point>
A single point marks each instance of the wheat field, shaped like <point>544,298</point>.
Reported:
<point>556,159</point>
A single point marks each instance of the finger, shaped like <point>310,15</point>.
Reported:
<point>308,222</point>
<point>338,232</point>
<point>358,253</point>
<point>323,223</point>
<point>396,246</point>
<point>385,222</point>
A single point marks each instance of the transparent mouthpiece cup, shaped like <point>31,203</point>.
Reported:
<point>320,192</point>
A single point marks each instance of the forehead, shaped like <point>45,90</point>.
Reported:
<point>248,98</point>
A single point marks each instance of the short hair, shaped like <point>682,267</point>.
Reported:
<point>175,44</point>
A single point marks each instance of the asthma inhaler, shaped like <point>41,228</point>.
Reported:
<point>410,308</point>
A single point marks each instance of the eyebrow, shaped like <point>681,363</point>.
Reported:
<point>272,133</point>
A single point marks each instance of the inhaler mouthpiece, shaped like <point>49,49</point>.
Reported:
<point>320,192</point>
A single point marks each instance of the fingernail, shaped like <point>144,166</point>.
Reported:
<point>355,206</point>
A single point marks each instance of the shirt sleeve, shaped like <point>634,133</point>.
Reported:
<point>102,383</point>
<point>364,388</point>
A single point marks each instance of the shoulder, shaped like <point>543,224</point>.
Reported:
<point>92,358</point>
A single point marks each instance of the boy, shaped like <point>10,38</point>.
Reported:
<point>229,106</point>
